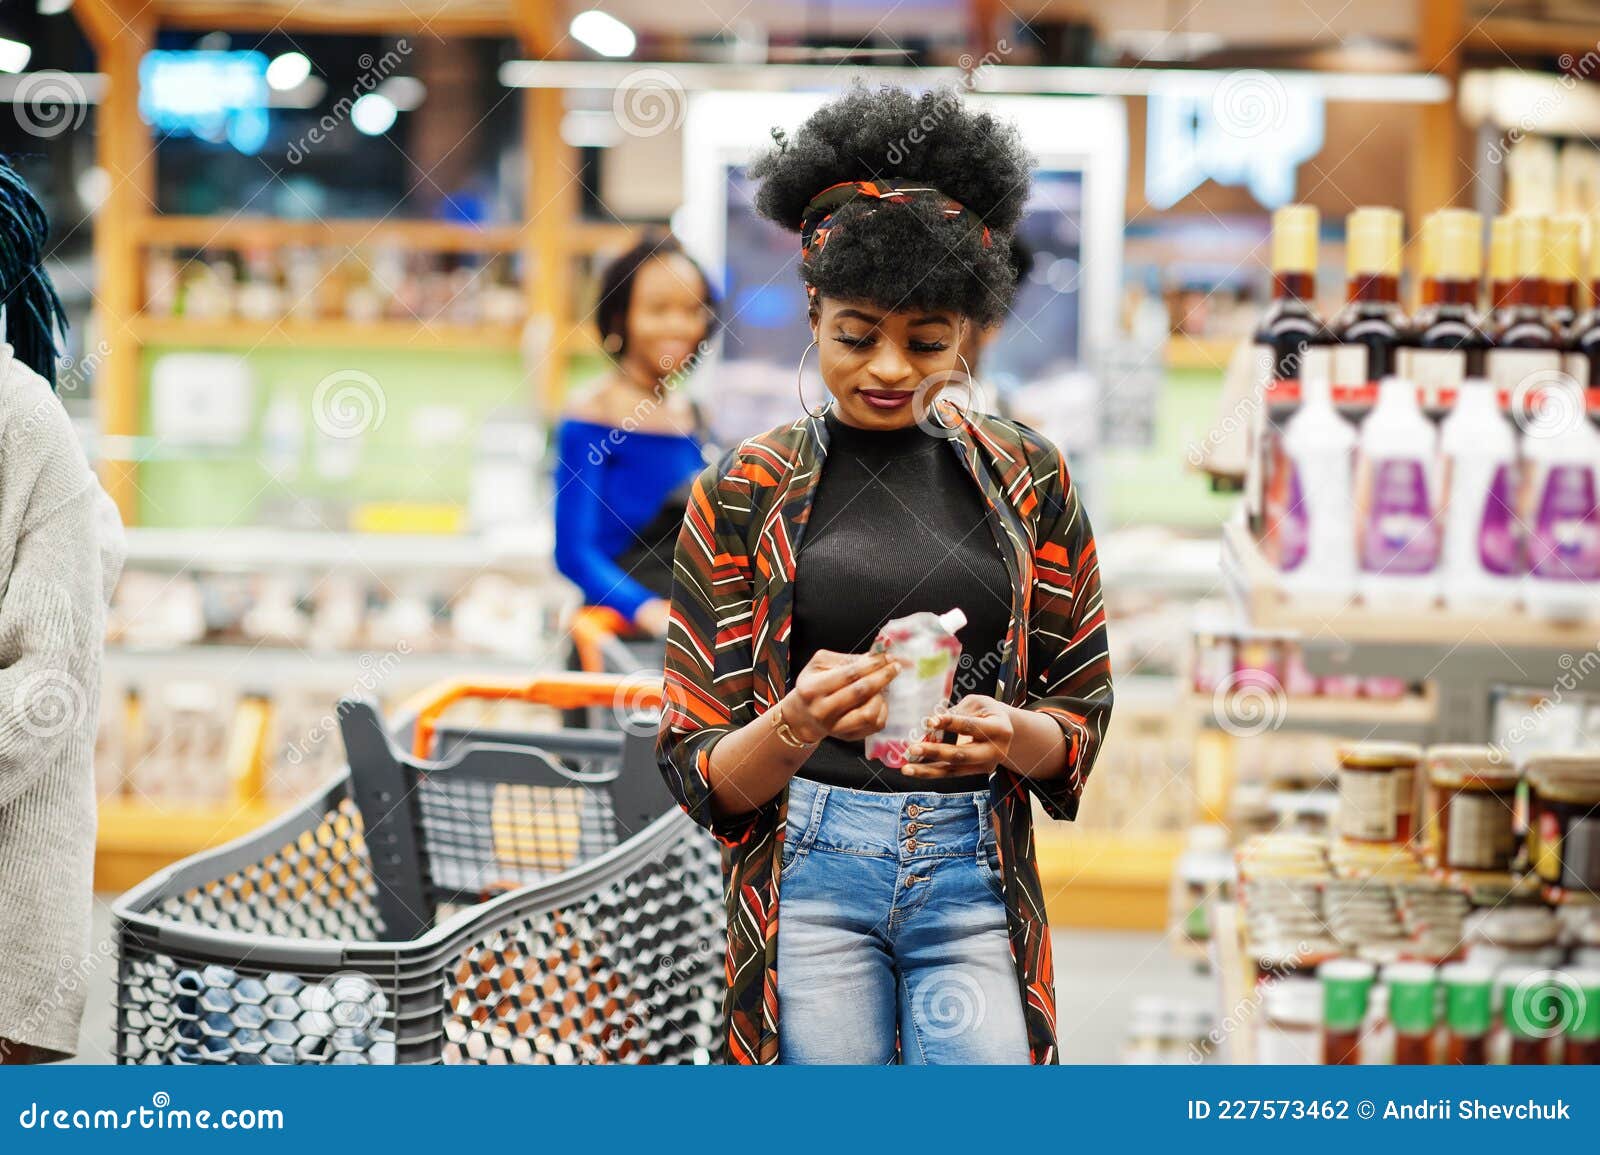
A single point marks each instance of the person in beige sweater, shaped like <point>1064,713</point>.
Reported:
<point>61,551</point>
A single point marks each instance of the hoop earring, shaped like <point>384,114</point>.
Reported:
<point>972,388</point>
<point>799,384</point>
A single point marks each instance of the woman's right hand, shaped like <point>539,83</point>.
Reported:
<point>839,696</point>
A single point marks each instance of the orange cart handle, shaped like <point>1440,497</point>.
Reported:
<point>558,691</point>
<point>591,626</point>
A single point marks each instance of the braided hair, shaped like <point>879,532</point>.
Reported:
<point>33,311</point>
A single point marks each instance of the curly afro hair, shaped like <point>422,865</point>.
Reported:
<point>905,256</point>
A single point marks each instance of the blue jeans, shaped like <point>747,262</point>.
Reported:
<point>892,919</point>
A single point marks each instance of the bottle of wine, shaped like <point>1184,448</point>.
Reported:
<point>1445,343</point>
<point>1290,342</point>
<point>1525,351</point>
<point>1368,330</point>
<point>1582,360</point>
<point>1563,270</point>
<point>1499,262</point>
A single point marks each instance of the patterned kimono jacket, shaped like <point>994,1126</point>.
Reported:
<point>728,662</point>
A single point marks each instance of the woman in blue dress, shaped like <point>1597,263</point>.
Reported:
<point>628,448</point>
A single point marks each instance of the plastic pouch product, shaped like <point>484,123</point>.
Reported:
<point>928,653</point>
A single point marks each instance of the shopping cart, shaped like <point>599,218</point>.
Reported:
<point>604,643</point>
<point>456,895</point>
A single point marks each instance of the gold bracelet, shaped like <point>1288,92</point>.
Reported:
<point>785,734</point>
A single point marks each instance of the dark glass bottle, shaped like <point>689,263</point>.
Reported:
<point>1563,271</point>
<point>1523,346</point>
<point>1445,342</point>
<point>1368,331</point>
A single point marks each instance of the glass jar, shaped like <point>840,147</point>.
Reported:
<point>1470,816</point>
<point>1527,936</point>
<point>1564,825</point>
<point>1377,781</point>
<point>1524,997</point>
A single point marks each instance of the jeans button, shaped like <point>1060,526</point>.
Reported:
<point>911,844</point>
<point>913,809</point>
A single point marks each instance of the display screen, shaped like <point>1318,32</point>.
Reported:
<point>766,307</point>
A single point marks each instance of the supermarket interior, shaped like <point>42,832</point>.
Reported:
<point>1307,296</point>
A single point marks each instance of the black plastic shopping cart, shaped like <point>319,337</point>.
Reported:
<point>457,896</point>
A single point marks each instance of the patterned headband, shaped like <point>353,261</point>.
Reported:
<point>817,220</point>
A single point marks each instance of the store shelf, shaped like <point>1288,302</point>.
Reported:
<point>1406,719</point>
<point>1106,880</point>
<point>393,335</point>
<point>348,17</point>
<point>136,837</point>
<point>1213,353</point>
<point>1254,583</point>
<point>251,550</point>
<point>245,232</point>
<point>267,667</point>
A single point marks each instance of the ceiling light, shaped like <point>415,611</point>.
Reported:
<point>14,55</point>
<point>602,33</point>
<point>53,7</point>
<point>373,114</point>
<point>404,92</point>
<point>288,71</point>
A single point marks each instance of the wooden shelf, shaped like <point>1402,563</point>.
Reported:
<point>1213,353</point>
<point>387,334</point>
<point>347,17</point>
<point>1255,584</point>
<point>1358,716</point>
<point>1497,36</point>
<point>244,232</point>
<point>1104,879</point>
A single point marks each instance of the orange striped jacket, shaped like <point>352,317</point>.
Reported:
<point>728,662</point>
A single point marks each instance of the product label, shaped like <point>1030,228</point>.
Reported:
<point>1509,368</point>
<point>1497,527</point>
<point>1401,535</point>
<point>1292,531</point>
<point>1565,542</point>
<point>1350,364</point>
<point>1580,858</point>
<point>1367,807</point>
<point>1479,833</point>
<point>1576,366</point>
<point>1432,369</point>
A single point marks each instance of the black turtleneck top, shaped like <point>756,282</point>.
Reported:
<point>897,526</point>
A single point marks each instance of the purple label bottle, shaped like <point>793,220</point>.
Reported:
<point>1497,532</point>
<point>1401,535</point>
<point>1565,543</point>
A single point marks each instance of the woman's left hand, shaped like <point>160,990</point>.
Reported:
<point>983,730</point>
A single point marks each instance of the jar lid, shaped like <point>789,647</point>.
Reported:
<point>1468,990</point>
<point>1580,1002</point>
<point>1522,927</point>
<point>1453,773</point>
<point>1527,1001</point>
<point>1345,985</point>
<point>1379,755</point>
<point>1294,1000</point>
<point>1566,781</point>
<point>1411,996</point>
